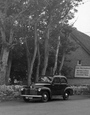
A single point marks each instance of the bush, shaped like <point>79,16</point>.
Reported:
<point>9,92</point>
<point>12,92</point>
<point>82,89</point>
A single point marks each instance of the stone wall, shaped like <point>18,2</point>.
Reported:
<point>79,81</point>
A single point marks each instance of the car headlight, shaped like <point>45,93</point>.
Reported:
<point>39,89</point>
<point>22,89</point>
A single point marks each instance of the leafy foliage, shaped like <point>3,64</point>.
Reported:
<point>21,17</point>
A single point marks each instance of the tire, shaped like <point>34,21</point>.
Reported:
<point>66,96</point>
<point>45,96</point>
<point>26,100</point>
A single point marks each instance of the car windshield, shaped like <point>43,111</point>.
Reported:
<point>46,79</point>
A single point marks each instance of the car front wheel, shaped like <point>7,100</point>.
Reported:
<point>66,96</point>
<point>25,99</point>
<point>45,96</point>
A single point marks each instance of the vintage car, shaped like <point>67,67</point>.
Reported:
<point>47,88</point>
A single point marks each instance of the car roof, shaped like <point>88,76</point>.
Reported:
<point>61,76</point>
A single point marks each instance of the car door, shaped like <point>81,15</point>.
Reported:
<point>63,85</point>
<point>56,86</point>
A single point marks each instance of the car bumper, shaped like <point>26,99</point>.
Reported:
<point>31,96</point>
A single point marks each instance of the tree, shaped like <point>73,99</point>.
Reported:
<point>10,12</point>
<point>20,15</point>
<point>56,56</point>
<point>52,17</point>
<point>36,17</point>
<point>46,53</point>
<point>58,13</point>
<point>6,38</point>
<point>66,45</point>
<point>38,65</point>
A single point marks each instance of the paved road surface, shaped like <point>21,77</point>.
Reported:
<point>76,105</point>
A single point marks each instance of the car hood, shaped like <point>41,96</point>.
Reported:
<point>44,83</point>
<point>37,85</point>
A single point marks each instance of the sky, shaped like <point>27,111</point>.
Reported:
<point>83,18</point>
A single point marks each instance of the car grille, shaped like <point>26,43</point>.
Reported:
<point>25,92</point>
<point>29,92</point>
<point>33,92</point>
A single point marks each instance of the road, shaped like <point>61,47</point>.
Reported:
<point>76,105</point>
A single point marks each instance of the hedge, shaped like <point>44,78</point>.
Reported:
<point>81,89</point>
<point>12,92</point>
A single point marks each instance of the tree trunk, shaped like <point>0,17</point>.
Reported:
<point>34,57</point>
<point>3,65</point>
<point>56,56</point>
<point>37,72</point>
<point>8,69</point>
<point>46,54</point>
<point>62,63</point>
<point>28,58</point>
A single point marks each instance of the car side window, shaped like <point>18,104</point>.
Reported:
<point>63,80</point>
<point>56,80</point>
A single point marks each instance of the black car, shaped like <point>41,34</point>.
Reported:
<point>47,88</point>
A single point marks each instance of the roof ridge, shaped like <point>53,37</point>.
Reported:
<point>80,43</point>
<point>83,34</point>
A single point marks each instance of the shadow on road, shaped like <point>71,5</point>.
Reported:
<point>71,98</point>
<point>60,99</point>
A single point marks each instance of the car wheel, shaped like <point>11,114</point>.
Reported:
<point>25,99</point>
<point>66,96</point>
<point>45,96</point>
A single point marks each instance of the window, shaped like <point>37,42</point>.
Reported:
<point>56,80</point>
<point>79,62</point>
<point>63,80</point>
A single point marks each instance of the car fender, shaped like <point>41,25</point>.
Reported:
<point>69,89</point>
<point>46,89</point>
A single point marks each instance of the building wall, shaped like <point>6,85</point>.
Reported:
<point>79,81</point>
<point>78,54</point>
